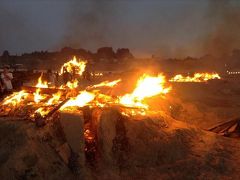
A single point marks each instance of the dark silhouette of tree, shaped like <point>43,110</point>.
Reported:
<point>5,57</point>
<point>123,53</point>
<point>106,53</point>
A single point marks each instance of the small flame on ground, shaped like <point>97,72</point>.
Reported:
<point>197,77</point>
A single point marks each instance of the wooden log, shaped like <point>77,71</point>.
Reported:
<point>41,121</point>
<point>224,126</point>
<point>229,129</point>
<point>73,128</point>
<point>106,133</point>
<point>43,90</point>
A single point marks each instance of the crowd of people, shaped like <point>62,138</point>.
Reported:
<point>53,78</point>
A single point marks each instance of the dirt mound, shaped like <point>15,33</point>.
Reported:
<point>27,152</point>
<point>149,147</point>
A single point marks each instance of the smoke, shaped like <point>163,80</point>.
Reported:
<point>223,27</point>
<point>146,27</point>
<point>88,24</point>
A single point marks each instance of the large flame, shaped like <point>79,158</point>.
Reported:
<point>147,86</point>
<point>81,100</point>
<point>74,66</point>
<point>197,77</point>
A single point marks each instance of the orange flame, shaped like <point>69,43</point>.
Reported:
<point>147,86</point>
<point>41,84</point>
<point>81,100</point>
<point>55,98</point>
<point>15,98</point>
<point>37,96</point>
<point>74,66</point>
<point>105,84</point>
<point>72,85</point>
<point>198,77</point>
<point>42,111</point>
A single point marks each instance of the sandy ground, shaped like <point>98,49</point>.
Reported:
<point>158,147</point>
<point>26,152</point>
<point>207,104</point>
<point>202,104</point>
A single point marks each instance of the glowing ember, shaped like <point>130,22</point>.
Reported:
<point>198,77</point>
<point>81,100</point>
<point>74,66</point>
<point>147,86</point>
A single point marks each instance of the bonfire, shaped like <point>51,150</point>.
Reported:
<point>42,100</point>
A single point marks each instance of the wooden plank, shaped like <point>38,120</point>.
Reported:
<point>73,128</point>
<point>43,90</point>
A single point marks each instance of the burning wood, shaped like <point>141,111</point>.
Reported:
<point>42,101</point>
<point>41,115</point>
<point>81,100</point>
<point>147,86</point>
<point>197,77</point>
<point>47,90</point>
<point>102,127</point>
<point>105,84</point>
<point>74,66</point>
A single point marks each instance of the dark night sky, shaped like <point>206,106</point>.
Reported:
<point>161,27</point>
